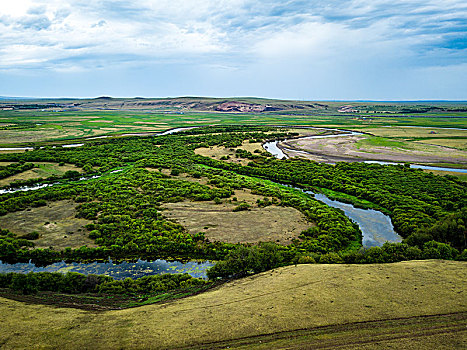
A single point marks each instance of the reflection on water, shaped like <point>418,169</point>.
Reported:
<point>119,271</point>
<point>272,148</point>
<point>375,226</point>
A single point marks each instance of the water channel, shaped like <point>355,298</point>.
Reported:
<point>376,227</point>
<point>118,271</point>
<point>273,148</point>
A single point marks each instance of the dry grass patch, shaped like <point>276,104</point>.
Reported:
<point>183,176</point>
<point>217,152</point>
<point>460,144</point>
<point>221,223</point>
<point>12,151</point>
<point>56,224</point>
<point>282,300</point>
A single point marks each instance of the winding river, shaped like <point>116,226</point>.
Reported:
<point>273,148</point>
<point>376,228</point>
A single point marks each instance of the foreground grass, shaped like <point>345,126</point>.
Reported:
<point>288,299</point>
<point>421,332</point>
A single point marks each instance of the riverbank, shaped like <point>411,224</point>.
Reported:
<point>351,146</point>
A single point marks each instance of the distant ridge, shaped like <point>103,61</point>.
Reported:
<point>252,98</point>
<point>17,98</point>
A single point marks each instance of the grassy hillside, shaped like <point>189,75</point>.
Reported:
<point>322,306</point>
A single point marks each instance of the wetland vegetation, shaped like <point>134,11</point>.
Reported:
<point>204,222</point>
<point>213,193</point>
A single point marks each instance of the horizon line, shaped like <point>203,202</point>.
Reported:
<point>231,97</point>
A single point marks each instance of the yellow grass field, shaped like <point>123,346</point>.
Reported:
<point>56,224</point>
<point>220,223</point>
<point>354,304</point>
<point>217,152</point>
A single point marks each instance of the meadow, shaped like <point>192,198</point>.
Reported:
<point>59,125</point>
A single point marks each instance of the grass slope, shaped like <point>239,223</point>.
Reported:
<point>296,300</point>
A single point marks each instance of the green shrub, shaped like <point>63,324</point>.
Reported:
<point>437,250</point>
<point>242,206</point>
<point>247,260</point>
<point>462,256</point>
<point>27,284</point>
<point>306,259</point>
<point>31,235</point>
<point>331,258</point>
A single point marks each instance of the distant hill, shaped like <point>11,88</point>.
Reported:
<point>239,105</point>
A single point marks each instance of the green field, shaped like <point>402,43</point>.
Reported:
<point>41,170</point>
<point>118,116</point>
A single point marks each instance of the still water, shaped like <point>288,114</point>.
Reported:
<point>119,271</point>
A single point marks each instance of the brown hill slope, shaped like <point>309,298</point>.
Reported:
<point>294,300</point>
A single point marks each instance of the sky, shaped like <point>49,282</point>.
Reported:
<point>302,50</point>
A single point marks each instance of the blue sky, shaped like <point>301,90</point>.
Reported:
<point>308,50</point>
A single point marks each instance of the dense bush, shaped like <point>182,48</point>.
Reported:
<point>75,283</point>
<point>306,259</point>
<point>15,168</point>
<point>331,258</point>
<point>247,260</point>
<point>437,250</point>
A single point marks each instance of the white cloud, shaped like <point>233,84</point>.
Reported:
<point>269,29</point>
<point>269,36</point>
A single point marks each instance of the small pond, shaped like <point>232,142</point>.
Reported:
<point>118,271</point>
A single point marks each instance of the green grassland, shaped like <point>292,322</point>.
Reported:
<point>118,116</point>
<point>409,305</point>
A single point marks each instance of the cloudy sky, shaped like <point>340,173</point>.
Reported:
<point>314,50</point>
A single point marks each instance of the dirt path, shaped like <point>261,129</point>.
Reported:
<point>429,330</point>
